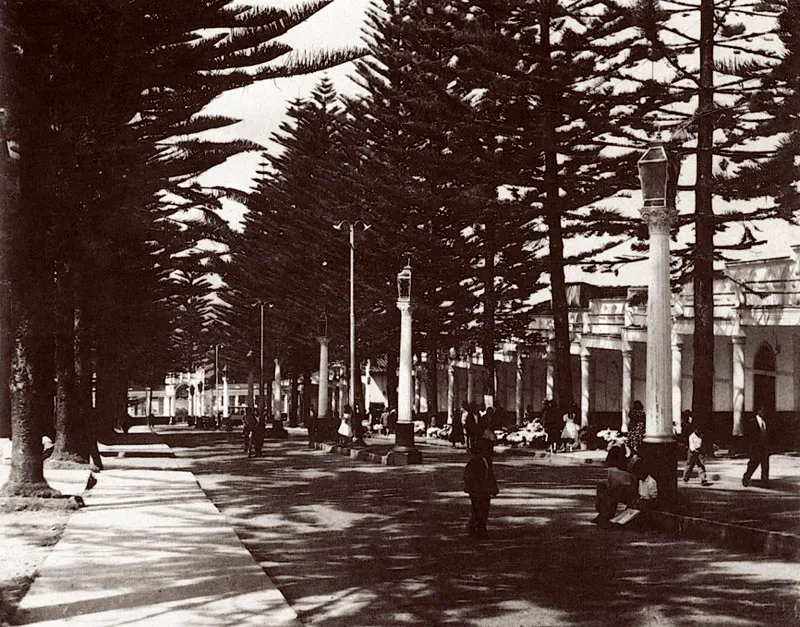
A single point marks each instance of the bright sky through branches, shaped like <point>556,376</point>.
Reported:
<point>261,107</point>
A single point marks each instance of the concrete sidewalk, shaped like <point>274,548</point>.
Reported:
<point>150,548</point>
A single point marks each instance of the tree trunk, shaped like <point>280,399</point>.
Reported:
<point>489,309</point>
<point>84,371</point>
<point>108,414</point>
<point>293,395</point>
<point>9,196</point>
<point>432,375</point>
<point>563,367</point>
<point>703,341</point>
<point>25,220</point>
<point>26,476</point>
<point>307,417</point>
<point>68,441</point>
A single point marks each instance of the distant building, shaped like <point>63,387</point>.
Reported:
<point>756,356</point>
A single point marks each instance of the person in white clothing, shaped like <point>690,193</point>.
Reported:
<point>695,457</point>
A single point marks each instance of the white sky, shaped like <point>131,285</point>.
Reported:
<point>261,106</point>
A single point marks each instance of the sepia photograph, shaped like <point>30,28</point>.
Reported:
<point>392,313</point>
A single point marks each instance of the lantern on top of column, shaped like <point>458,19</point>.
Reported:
<point>404,284</point>
<point>322,325</point>
<point>658,175</point>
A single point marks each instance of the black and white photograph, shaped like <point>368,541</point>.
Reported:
<point>393,313</point>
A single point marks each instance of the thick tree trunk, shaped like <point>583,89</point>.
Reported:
<point>9,197</point>
<point>307,417</point>
<point>563,368</point>
<point>84,370</point>
<point>703,341</point>
<point>26,476</point>
<point>432,375</point>
<point>27,269</point>
<point>293,396</point>
<point>489,310</point>
<point>107,412</point>
<point>68,440</point>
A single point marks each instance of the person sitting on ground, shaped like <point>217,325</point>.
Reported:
<point>619,486</point>
<point>647,488</point>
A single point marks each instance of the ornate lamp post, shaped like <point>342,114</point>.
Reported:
<point>318,431</point>
<point>658,173</point>
<point>404,430</point>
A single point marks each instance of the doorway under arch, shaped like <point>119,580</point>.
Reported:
<point>764,370</point>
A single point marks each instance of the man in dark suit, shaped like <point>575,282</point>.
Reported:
<point>757,434</point>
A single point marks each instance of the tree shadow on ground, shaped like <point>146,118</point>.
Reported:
<point>357,544</point>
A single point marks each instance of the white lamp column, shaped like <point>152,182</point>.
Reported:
<point>586,379</point>
<point>322,394</point>
<point>627,383</point>
<point>677,381</point>
<point>658,176</point>
<point>452,410</point>
<point>404,430</point>
<point>404,384</point>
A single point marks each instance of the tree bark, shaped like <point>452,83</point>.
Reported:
<point>563,367</point>
<point>432,375</point>
<point>489,310</point>
<point>27,270</point>
<point>68,441</point>
<point>703,285</point>
<point>293,395</point>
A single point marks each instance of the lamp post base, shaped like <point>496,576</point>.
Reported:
<point>404,444</point>
<point>662,460</point>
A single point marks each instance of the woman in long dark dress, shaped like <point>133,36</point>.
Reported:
<point>456,430</point>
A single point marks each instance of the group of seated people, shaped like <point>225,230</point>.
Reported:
<point>629,483</point>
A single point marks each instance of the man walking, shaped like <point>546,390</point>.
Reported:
<point>757,437</point>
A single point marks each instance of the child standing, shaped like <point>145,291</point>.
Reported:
<point>695,457</point>
<point>481,485</point>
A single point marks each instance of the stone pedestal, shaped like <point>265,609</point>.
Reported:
<point>404,429</point>
<point>662,460</point>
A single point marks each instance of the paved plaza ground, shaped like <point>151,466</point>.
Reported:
<point>344,542</point>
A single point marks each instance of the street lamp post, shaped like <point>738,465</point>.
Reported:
<point>217,404</point>
<point>404,429</point>
<point>318,430</point>
<point>261,398</point>
<point>351,226</point>
<point>658,173</point>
